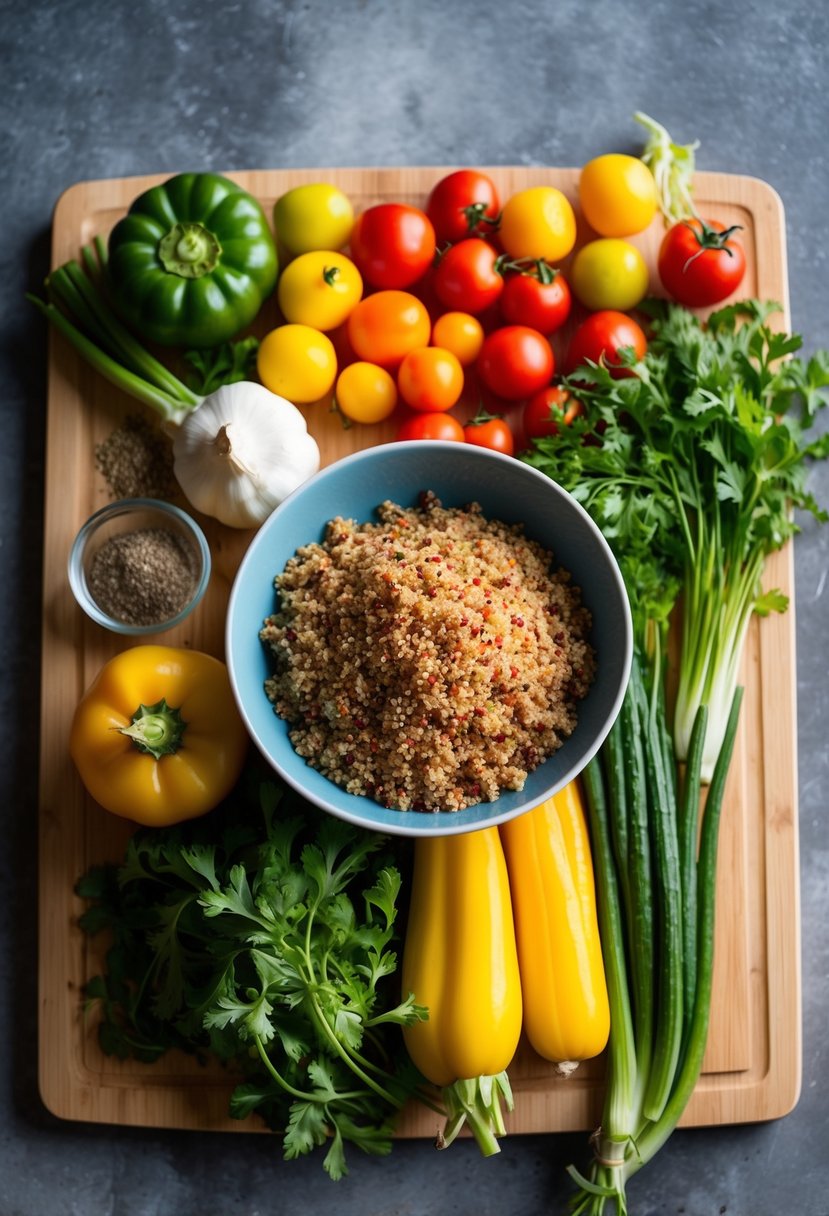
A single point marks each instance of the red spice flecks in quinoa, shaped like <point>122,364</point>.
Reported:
<point>396,686</point>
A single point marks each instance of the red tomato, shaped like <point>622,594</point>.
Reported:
<point>430,378</point>
<point>547,410</point>
<point>385,326</point>
<point>539,298</point>
<point>515,361</point>
<point>490,432</point>
<point>431,426</point>
<point>699,264</point>
<point>602,335</point>
<point>467,278</point>
<point>392,244</point>
<point>464,203</point>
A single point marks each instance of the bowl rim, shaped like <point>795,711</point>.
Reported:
<point>441,823</point>
<point>111,510</point>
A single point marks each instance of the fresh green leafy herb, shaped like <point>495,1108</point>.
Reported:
<point>228,363</point>
<point>703,455</point>
<point>263,934</point>
<point>693,466</point>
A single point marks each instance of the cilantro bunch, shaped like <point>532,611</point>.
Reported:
<point>263,934</point>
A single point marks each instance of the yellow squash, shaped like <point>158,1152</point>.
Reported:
<point>460,960</point>
<point>566,1012</point>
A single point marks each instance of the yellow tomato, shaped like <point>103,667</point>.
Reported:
<point>320,289</point>
<point>314,216</point>
<point>461,333</point>
<point>617,194</point>
<point>366,392</point>
<point>538,223</point>
<point>609,273</point>
<point>297,362</point>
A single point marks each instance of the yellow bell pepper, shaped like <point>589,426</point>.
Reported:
<point>460,960</point>
<point>566,1010</point>
<point>157,737</point>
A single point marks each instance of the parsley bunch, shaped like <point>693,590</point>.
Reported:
<point>691,467</point>
<point>263,934</point>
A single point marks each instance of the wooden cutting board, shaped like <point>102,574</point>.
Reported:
<point>752,1065</point>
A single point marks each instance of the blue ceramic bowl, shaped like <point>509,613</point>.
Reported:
<point>507,490</point>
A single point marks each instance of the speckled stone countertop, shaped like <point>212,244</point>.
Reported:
<point>93,90</point>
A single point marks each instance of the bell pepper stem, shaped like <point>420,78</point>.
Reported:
<point>189,250</point>
<point>156,729</point>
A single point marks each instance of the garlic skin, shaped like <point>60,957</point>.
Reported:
<point>241,452</point>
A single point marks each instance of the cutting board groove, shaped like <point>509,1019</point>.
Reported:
<point>752,1064</point>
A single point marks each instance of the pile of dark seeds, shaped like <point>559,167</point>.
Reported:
<point>144,577</point>
<point>137,460</point>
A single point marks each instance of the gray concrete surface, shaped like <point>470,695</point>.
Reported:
<point>93,89</point>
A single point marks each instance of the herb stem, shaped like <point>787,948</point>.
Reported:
<point>348,1057</point>
<point>280,1080</point>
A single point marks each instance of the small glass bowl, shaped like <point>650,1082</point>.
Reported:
<point>134,515</point>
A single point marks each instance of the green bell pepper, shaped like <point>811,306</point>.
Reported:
<point>192,261</point>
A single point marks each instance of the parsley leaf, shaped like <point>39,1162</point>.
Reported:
<point>224,364</point>
<point>263,935</point>
<point>693,467</point>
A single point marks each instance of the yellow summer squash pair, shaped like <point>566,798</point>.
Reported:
<point>502,935</point>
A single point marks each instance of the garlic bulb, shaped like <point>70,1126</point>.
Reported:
<point>242,452</point>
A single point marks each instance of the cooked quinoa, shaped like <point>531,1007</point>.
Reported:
<point>429,660</point>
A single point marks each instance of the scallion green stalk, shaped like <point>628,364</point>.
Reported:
<point>78,309</point>
<point>692,466</point>
<point>652,1135</point>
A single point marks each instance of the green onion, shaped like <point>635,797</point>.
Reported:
<point>77,306</point>
<point>652,1136</point>
<point>691,466</point>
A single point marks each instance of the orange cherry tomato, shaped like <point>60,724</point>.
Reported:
<point>430,378</point>
<point>365,392</point>
<point>385,326</point>
<point>461,333</point>
<point>432,426</point>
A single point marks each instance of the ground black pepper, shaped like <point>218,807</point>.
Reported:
<point>143,577</point>
<point>137,460</point>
